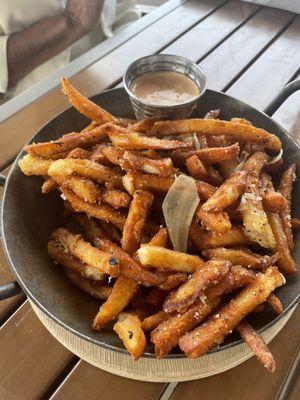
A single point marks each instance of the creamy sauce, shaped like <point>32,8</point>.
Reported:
<point>166,88</point>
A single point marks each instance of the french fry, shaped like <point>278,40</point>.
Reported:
<point>86,253</point>
<point>113,154</point>
<point>275,303</point>
<point>133,181</point>
<point>78,152</point>
<point>285,188</point>
<point>149,323</point>
<point>129,329</point>
<point>34,166</point>
<point>209,273</point>
<point>128,140</point>
<point>243,257</point>
<point>90,126</point>
<point>168,332</point>
<point>196,235</point>
<point>214,330</point>
<point>166,259</point>
<point>85,168</point>
<point>49,185</point>
<point>199,170</point>
<point>255,164</point>
<point>132,161</point>
<point>228,192</point>
<point>217,127</point>
<point>205,190</point>
<point>100,211</point>
<point>136,219</point>
<point>116,198</point>
<point>122,292</point>
<point>214,221</point>
<point>257,344</point>
<point>67,143</point>
<point>84,105</point>
<point>84,188</point>
<point>210,155</point>
<point>172,281</point>
<point>57,252</point>
<point>160,238</point>
<point>273,201</point>
<point>143,126</point>
<point>239,120</point>
<point>93,288</point>
<point>233,237</point>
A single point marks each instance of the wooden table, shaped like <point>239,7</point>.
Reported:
<point>249,52</point>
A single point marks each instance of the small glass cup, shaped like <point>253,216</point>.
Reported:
<point>164,62</point>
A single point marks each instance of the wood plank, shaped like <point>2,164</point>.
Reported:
<point>102,74</point>
<point>243,46</point>
<point>248,380</point>
<point>271,71</point>
<point>208,33</point>
<point>30,357</point>
<point>88,381</point>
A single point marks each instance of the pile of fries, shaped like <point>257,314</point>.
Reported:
<point>113,177</point>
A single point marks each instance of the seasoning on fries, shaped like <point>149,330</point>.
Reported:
<point>182,269</point>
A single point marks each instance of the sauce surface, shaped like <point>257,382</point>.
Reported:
<point>166,88</point>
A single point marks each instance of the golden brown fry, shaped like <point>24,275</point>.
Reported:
<point>239,120</point>
<point>243,257</point>
<point>144,125</point>
<point>100,211</point>
<point>122,292</point>
<point>133,181</point>
<point>113,154</point>
<point>79,153</point>
<point>93,288</point>
<point>136,219</point>
<point>116,198</point>
<point>213,332</point>
<point>129,330</point>
<point>217,127</point>
<point>233,237</point>
<point>273,201</point>
<point>275,303</point>
<point>162,258</point>
<point>86,169</point>
<point>228,192</point>
<point>128,140</point>
<point>255,163</point>
<point>86,189</point>
<point>285,188</point>
<point>57,252</point>
<point>160,238</point>
<point>168,332</point>
<point>214,221</point>
<point>199,170</point>
<point>30,165</point>
<point>209,273</point>
<point>154,320</point>
<point>67,143</point>
<point>86,253</point>
<point>84,105</point>
<point>205,190</point>
<point>172,281</point>
<point>132,161</point>
<point>210,155</point>
<point>49,185</point>
<point>257,344</point>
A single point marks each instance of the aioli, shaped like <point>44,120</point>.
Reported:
<point>166,88</point>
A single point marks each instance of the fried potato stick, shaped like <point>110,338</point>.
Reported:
<point>199,170</point>
<point>210,155</point>
<point>160,238</point>
<point>132,161</point>
<point>30,165</point>
<point>116,198</point>
<point>214,221</point>
<point>84,188</point>
<point>133,181</point>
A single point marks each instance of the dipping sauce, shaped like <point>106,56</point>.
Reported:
<point>166,88</point>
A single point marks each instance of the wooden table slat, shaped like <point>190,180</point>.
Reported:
<point>86,381</point>
<point>30,357</point>
<point>271,71</point>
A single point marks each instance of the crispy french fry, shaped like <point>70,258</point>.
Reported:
<point>144,125</point>
<point>67,143</point>
<point>243,257</point>
<point>57,252</point>
<point>162,258</point>
<point>136,219</point>
<point>275,303</point>
<point>205,190</point>
<point>228,192</point>
<point>132,161</point>
<point>93,288</point>
<point>285,188</point>
<point>233,237</point>
<point>128,140</point>
<point>99,211</point>
<point>168,332</point>
<point>154,320</point>
<point>30,165</point>
<point>84,105</point>
<point>129,330</point>
<point>113,154</point>
<point>199,170</point>
<point>122,292</point>
<point>217,127</point>
<point>214,221</point>
<point>273,201</point>
<point>86,252</point>
<point>49,185</point>
<point>257,344</point>
<point>210,155</point>
<point>133,181</point>
<point>172,281</point>
<point>160,238</point>
<point>85,168</point>
<point>239,120</point>
<point>84,188</point>
<point>213,332</point>
<point>78,152</point>
<point>209,273</point>
<point>116,198</point>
